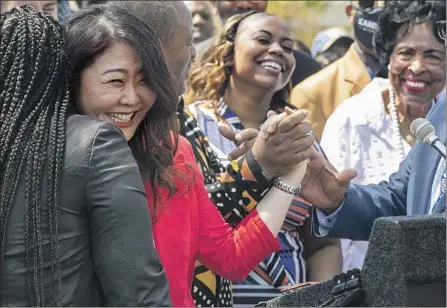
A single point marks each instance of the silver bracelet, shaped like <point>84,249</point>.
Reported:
<point>293,190</point>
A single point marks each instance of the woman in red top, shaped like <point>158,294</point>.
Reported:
<point>190,228</point>
<point>119,76</point>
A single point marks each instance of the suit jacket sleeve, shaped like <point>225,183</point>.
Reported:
<point>124,254</point>
<point>366,203</point>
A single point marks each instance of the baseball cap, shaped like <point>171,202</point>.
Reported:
<point>325,39</point>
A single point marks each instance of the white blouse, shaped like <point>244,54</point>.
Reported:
<point>360,135</point>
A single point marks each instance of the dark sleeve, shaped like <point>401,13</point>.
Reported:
<point>239,189</point>
<point>305,67</point>
<point>124,254</point>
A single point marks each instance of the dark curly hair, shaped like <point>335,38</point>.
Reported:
<point>402,14</point>
<point>88,33</point>
<point>34,99</point>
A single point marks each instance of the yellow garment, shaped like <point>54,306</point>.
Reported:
<point>322,92</point>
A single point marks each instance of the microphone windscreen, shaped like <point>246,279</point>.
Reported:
<point>421,129</point>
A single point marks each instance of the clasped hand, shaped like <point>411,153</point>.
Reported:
<point>284,147</point>
<point>284,141</point>
<point>322,185</point>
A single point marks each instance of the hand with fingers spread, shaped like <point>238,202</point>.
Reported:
<point>284,141</point>
<point>244,140</point>
<point>323,185</point>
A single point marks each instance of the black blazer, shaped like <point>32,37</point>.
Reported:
<point>107,253</point>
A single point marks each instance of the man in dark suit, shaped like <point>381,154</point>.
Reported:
<point>348,211</point>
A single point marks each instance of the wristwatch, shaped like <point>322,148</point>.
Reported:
<point>293,190</point>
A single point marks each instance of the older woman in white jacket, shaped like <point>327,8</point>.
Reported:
<point>366,133</point>
<point>371,131</point>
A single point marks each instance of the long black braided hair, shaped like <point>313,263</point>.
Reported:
<point>34,99</point>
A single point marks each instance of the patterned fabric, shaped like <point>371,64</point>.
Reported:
<point>281,269</point>
<point>234,191</point>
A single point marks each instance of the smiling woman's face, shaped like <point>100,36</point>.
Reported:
<point>263,53</point>
<point>417,65</point>
<point>113,89</point>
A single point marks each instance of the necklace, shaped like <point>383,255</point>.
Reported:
<point>395,124</point>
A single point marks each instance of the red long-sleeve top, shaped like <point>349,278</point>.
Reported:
<point>189,227</point>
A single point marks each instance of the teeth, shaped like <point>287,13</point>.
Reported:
<point>416,84</point>
<point>120,117</point>
<point>272,65</point>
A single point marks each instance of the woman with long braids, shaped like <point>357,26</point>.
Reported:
<point>71,196</point>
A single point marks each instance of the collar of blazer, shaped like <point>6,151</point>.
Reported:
<point>355,72</point>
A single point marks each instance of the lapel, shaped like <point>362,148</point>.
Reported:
<point>426,163</point>
<point>356,74</point>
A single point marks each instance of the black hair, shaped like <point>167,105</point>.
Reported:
<point>403,14</point>
<point>34,99</point>
<point>160,15</point>
<point>88,33</point>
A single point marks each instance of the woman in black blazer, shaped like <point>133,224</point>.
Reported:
<point>72,202</point>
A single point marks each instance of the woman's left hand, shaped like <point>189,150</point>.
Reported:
<point>284,142</point>
<point>286,121</point>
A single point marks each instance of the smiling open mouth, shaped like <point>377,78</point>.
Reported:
<point>415,86</point>
<point>121,117</point>
<point>272,65</point>
<point>121,120</point>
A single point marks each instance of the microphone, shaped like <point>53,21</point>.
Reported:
<point>425,132</point>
